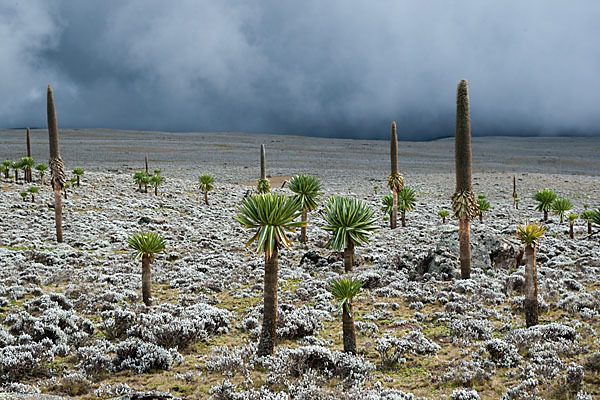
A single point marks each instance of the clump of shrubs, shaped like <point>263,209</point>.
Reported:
<point>139,357</point>
<point>502,353</point>
<point>392,349</point>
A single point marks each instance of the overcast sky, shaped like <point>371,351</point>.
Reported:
<point>341,68</point>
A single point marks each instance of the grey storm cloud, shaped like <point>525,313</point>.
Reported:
<point>338,68</point>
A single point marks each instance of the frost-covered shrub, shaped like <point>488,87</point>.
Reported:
<point>463,394</point>
<point>467,373</point>
<point>115,323</point>
<point>140,357</point>
<point>47,302</point>
<point>296,362</point>
<point>469,329</point>
<point>392,349</point>
<point>194,324</point>
<point>526,390</point>
<point>502,353</point>
<point>593,362</point>
<point>18,362</point>
<point>574,378</point>
<point>106,390</point>
<point>295,322</point>
<point>544,361</point>
<point>94,359</point>
<point>230,361</point>
<point>21,388</point>
<point>251,325</point>
<point>6,339</point>
<point>57,322</point>
<point>582,303</point>
<point>366,328</point>
<point>554,332</point>
<point>517,303</point>
<point>73,384</point>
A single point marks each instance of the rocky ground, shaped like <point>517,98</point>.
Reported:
<point>72,322</point>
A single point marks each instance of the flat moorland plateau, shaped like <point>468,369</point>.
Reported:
<point>72,322</point>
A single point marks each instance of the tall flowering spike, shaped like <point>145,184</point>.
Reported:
<point>263,185</point>
<point>263,162</point>
<point>464,204</point>
<point>394,149</point>
<point>146,161</point>
<point>57,166</point>
<point>395,179</point>
<point>28,172</point>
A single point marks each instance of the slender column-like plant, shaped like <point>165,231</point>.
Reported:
<point>560,207</point>
<point>7,164</point>
<point>483,205</point>
<point>16,166</point>
<point>28,177</point>
<point>464,205</point>
<point>545,198</point>
<point>588,217</point>
<point>33,191</point>
<point>514,193</point>
<point>78,172</point>
<point>57,166</point>
<point>350,222</point>
<point>42,168</point>
<point>530,236</point>
<point>443,214</point>
<point>146,246</point>
<point>146,162</point>
<point>344,291</point>
<point>206,182</point>
<point>272,215</point>
<point>263,185</point>
<point>571,218</point>
<point>156,180</point>
<point>307,189</point>
<point>395,179</point>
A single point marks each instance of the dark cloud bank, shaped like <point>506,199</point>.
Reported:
<point>322,68</point>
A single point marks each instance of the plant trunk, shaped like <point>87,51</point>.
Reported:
<point>589,228</point>
<point>517,205</point>
<point>531,291</point>
<point>403,218</point>
<point>268,334</point>
<point>263,162</point>
<point>28,173</point>
<point>56,164</point>
<point>145,188</point>
<point>349,256</point>
<point>545,215</point>
<point>349,329</point>
<point>156,190</point>
<point>464,236</point>
<point>480,216</point>
<point>303,229</point>
<point>16,176</point>
<point>32,198</point>
<point>443,220</point>
<point>146,280</point>
<point>65,192</point>
<point>206,197</point>
<point>394,214</point>
<point>571,230</point>
<point>77,180</point>
<point>146,161</point>
<point>561,219</point>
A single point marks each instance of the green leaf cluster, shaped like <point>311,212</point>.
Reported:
<point>348,219</point>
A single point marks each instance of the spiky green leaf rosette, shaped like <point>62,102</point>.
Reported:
<point>395,182</point>
<point>464,205</point>
<point>264,186</point>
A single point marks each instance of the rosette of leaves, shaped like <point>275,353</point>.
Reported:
<point>263,186</point>
<point>395,181</point>
<point>464,205</point>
